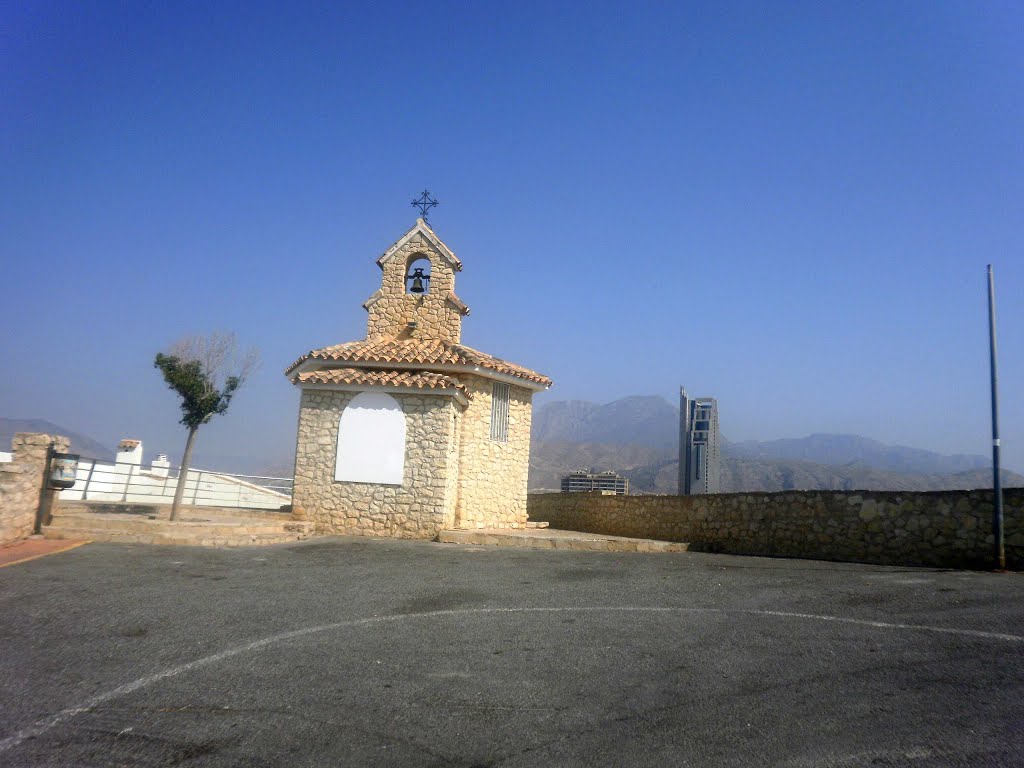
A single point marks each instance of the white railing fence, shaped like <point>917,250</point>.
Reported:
<point>132,483</point>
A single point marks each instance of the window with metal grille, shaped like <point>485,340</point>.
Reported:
<point>499,412</point>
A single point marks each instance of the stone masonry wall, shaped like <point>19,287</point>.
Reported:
<point>454,449</point>
<point>392,308</point>
<point>21,483</point>
<point>493,477</point>
<point>419,508</point>
<point>941,528</point>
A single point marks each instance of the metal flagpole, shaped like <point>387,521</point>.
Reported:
<point>997,486</point>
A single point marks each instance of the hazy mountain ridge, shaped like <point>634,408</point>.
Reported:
<point>845,449</point>
<point>80,444</point>
<point>90,448</point>
<point>633,433</point>
<point>784,475</point>
<point>550,460</point>
<point>639,420</point>
<point>637,437</point>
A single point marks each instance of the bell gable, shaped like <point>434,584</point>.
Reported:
<point>417,295</point>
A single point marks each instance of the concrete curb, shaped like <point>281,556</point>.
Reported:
<point>562,540</point>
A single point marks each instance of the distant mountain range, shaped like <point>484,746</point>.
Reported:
<point>652,422</point>
<point>638,438</point>
<point>80,444</point>
<point>849,449</point>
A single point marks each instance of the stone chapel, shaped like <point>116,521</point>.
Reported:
<point>409,432</point>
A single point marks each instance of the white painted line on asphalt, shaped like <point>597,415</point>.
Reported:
<point>889,625</point>
<point>42,726</point>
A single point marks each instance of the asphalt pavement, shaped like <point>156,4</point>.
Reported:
<point>393,653</point>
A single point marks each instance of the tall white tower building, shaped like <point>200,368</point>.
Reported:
<point>699,461</point>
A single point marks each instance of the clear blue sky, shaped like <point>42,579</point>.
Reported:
<point>787,206</point>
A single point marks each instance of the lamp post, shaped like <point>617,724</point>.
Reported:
<point>997,485</point>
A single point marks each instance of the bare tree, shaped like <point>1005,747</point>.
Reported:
<point>205,371</point>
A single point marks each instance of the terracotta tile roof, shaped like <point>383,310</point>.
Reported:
<point>418,352</point>
<point>381,378</point>
<point>472,356</point>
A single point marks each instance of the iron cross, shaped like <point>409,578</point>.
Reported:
<point>424,203</point>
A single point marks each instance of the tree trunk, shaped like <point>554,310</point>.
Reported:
<point>179,491</point>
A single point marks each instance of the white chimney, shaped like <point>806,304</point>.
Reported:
<point>129,452</point>
<point>160,466</point>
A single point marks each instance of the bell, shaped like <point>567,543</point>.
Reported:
<point>417,278</point>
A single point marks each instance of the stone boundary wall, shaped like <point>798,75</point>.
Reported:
<point>949,529</point>
<point>21,483</point>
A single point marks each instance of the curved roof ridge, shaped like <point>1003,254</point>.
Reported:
<point>383,378</point>
<point>427,352</point>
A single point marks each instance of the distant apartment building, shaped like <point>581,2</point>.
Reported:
<point>699,462</point>
<point>585,480</point>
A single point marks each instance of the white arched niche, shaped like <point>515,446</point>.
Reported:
<point>371,440</point>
